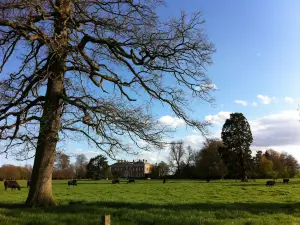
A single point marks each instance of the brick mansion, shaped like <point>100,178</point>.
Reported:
<point>134,169</point>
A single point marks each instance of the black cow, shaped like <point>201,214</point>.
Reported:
<point>115,181</point>
<point>270,183</point>
<point>28,183</point>
<point>72,182</point>
<point>131,181</point>
<point>207,180</point>
<point>164,181</point>
<point>286,180</point>
<point>11,184</point>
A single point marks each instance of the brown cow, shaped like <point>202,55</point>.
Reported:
<point>11,184</point>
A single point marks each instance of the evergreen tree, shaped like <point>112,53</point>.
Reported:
<point>237,137</point>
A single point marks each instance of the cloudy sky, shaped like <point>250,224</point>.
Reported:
<point>256,71</point>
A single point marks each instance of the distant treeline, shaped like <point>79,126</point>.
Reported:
<point>95,168</point>
<point>8,172</point>
<point>210,162</point>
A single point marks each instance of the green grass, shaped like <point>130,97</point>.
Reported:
<point>180,202</point>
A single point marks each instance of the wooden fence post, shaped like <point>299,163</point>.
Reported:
<point>106,220</point>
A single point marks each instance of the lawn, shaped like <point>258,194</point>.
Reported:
<point>180,202</point>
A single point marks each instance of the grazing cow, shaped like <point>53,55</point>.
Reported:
<point>164,181</point>
<point>11,184</point>
<point>207,180</point>
<point>270,183</point>
<point>72,182</point>
<point>115,181</point>
<point>286,180</point>
<point>28,183</point>
<point>131,181</point>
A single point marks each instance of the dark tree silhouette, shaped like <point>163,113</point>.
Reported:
<point>209,163</point>
<point>81,69</point>
<point>97,168</point>
<point>237,137</point>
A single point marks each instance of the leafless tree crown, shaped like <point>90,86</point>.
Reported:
<point>114,57</point>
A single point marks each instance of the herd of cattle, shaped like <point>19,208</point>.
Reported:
<point>272,182</point>
<point>14,184</point>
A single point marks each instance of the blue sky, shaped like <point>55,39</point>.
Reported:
<point>258,54</point>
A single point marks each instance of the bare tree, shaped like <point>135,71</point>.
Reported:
<point>190,155</point>
<point>176,157</point>
<point>81,69</point>
<point>80,165</point>
<point>62,161</point>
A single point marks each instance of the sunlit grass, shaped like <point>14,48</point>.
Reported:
<point>152,202</point>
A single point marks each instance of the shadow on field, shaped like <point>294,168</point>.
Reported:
<point>79,183</point>
<point>85,207</point>
<point>141,213</point>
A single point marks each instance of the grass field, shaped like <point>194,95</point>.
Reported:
<point>177,202</point>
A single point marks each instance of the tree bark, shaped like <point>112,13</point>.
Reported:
<point>40,193</point>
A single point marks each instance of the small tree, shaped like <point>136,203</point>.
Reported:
<point>80,166</point>
<point>97,168</point>
<point>209,163</point>
<point>160,170</point>
<point>266,168</point>
<point>62,161</point>
<point>176,156</point>
<point>237,137</point>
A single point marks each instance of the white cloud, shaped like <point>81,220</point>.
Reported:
<point>142,143</point>
<point>206,86</point>
<point>195,131</point>
<point>87,153</point>
<point>195,141</point>
<point>254,104</point>
<point>289,99</point>
<point>210,86</point>
<point>171,121</point>
<point>219,118</point>
<point>265,99</point>
<point>241,102</point>
<point>280,129</point>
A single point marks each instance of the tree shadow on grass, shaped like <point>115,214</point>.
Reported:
<point>119,211</point>
<point>286,208</point>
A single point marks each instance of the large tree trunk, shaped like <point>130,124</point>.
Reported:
<point>40,193</point>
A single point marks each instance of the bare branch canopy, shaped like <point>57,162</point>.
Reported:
<point>93,69</point>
